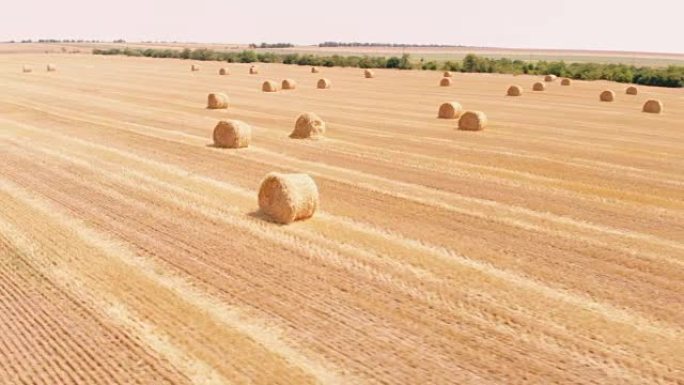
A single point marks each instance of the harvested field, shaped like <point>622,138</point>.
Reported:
<point>547,248</point>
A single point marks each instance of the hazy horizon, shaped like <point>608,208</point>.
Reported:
<point>568,25</point>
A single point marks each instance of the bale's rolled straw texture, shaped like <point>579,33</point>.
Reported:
<point>217,100</point>
<point>289,84</point>
<point>194,68</point>
<point>448,74</point>
<point>514,91</point>
<point>368,74</point>
<point>445,82</point>
<point>549,78</point>
<point>51,68</point>
<point>286,198</point>
<point>232,134</point>
<point>253,70</point>
<point>653,106</point>
<point>538,86</point>
<point>565,82</point>
<point>308,125</point>
<point>26,69</point>
<point>314,70</point>
<point>472,121</point>
<point>631,90</point>
<point>269,86</point>
<point>224,71</point>
<point>323,83</point>
<point>607,96</point>
<point>449,110</point>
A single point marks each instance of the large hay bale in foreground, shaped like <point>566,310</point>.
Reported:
<point>368,74</point>
<point>232,134</point>
<point>286,198</point>
<point>448,74</point>
<point>538,86</point>
<point>26,69</point>
<point>269,86</point>
<point>323,84</point>
<point>308,126</point>
<point>445,82</point>
<point>253,70</point>
<point>631,90</point>
<point>653,106</point>
<point>315,70</point>
<point>194,68</point>
<point>224,71</point>
<point>514,90</point>
<point>51,68</point>
<point>217,100</point>
<point>565,82</point>
<point>550,78</point>
<point>288,84</point>
<point>607,96</point>
<point>472,121</point>
<point>449,110</point>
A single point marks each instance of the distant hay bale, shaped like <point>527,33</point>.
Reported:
<point>631,90</point>
<point>51,68</point>
<point>308,126</point>
<point>26,69</point>
<point>289,84</point>
<point>224,71</point>
<point>368,74</point>
<point>286,198</point>
<point>449,110</point>
<point>314,70</point>
<point>514,91</point>
<point>445,82</point>
<point>472,121</point>
<point>550,78</point>
<point>269,86</point>
<point>607,96</point>
<point>565,82</point>
<point>217,100</point>
<point>538,86</point>
<point>194,68</point>
<point>323,83</point>
<point>253,70</point>
<point>232,134</point>
<point>448,74</point>
<point>653,106</point>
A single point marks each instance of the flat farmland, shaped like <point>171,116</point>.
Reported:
<point>547,248</point>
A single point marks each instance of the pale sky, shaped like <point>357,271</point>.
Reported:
<point>647,25</point>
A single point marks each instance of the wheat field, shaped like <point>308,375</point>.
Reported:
<point>546,249</point>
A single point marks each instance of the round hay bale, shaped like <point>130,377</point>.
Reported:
<point>368,74</point>
<point>565,82</point>
<point>314,70</point>
<point>51,68</point>
<point>472,121</point>
<point>631,90</point>
<point>653,106</point>
<point>253,70</point>
<point>224,71</point>
<point>194,68</point>
<point>269,86</point>
<point>550,78</point>
<point>289,84</point>
<point>514,91</point>
<point>445,82</point>
<point>538,86</point>
<point>232,134</point>
<point>26,69</point>
<point>449,110</point>
<point>448,74</point>
<point>217,100</point>
<point>323,84</point>
<point>286,198</point>
<point>308,126</point>
<point>607,96</point>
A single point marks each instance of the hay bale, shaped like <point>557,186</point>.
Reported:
<point>224,71</point>
<point>449,110</point>
<point>232,134</point>
<point>253,70</point>
<point>472,121</point>
<point>269,86</point>
<point>308,126</point>
<point>286,198</point>
<point>448,74</point>
<point>631,90</point>
<point>194,68</point>
<point>445,82</point>
<point>323,83</point>
<point>26,69</point>
<point>217,100</point>
<point>51,68</point>
<point>607,96</point>
<point>550,78</point>
<point>289,84</point>
<point>368,74</point>
<point>514,91</point>
<point>653,106</point>
<point>565,82</point>
<point>314,70</point>
<point>538,86</point>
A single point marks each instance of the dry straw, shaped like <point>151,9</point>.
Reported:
<point>653,106</point>
<point>288,84</point>
<point>194,68</point>
<point>565,82</point>
<point>550,78</point>
<point>269,86</point>
<point>314,70</point>
<point>472,121</point>
<point>51,68</point>
<point>224,71</point>
<point>514,91</point>
<point>631,90</point>
<point>368,74</point>
<point>449,110</point>
<point>232,134</point>
<point>323,83</point>
<point>445,82</point>
<point>253,70</point>
<point>448,74</point>
<point>308,126</point>
<point>217,100</point>
<point>538,86</point>
<point>286,198</point>
<point>607,96</point>
<point>26,69</point>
